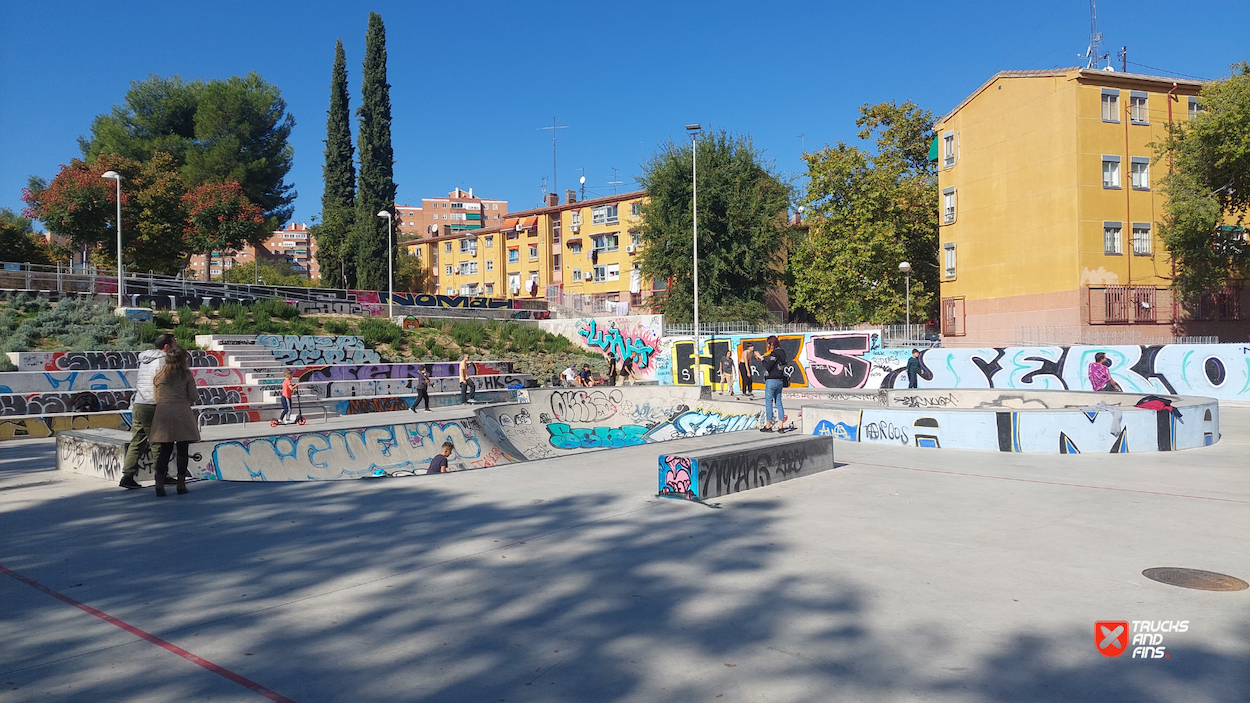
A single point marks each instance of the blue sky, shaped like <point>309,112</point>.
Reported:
<point>472,83</point>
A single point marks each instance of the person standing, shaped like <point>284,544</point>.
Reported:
<point>143,407</point>
<point>612,373</point>
<point>913,368</point>
<point>725,369</point>
<point>288,391</point>
<point>422,382</point>
<point>775,361</point>
<point>627,369</point>
<point>464,379</point>
<point>745,382</point>
<point>175,426</point>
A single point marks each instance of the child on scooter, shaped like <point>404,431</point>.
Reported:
<point>288,389</point>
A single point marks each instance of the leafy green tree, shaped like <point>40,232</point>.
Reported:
<point>220,217</point>
<point>338,200</point>
<point>375,187</point>
<point>1208,188</point>
<point>81,206</point>
<point>409,274</point>
<point>269,272</point>
<point>215,131</point>
<point>743,235</point>
<point>157,241</point>
<point>18,241</point>
<point>866,214</point>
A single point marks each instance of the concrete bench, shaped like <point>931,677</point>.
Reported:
<point>733,468</point>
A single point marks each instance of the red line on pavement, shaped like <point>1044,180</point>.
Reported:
<point>168,646</point>
<point>1050,483</point>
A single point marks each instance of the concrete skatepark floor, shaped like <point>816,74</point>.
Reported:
<point>905,574</point>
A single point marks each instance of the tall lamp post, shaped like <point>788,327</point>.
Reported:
<point>121,282</point>
<point>390,264</point>
<point>693,130</point>
<point>905,268</point>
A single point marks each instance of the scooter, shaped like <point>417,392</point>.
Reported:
<point>299,414</point>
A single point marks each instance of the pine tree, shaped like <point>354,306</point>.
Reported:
<point>376,186</point>
<point>338,201</point>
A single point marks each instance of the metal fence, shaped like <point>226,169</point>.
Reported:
<point>918,335</point>
<point>1052,336</point>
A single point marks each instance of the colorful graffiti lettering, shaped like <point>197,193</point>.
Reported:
<point>642,346</point>
<point>676,476</point>
<point>565,437</point>
<point>699,422</point>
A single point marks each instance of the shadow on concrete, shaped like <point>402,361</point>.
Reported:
<point>397,590</point>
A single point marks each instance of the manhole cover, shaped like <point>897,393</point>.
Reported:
<point>1195,578</point>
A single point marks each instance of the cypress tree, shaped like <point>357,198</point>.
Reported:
<point>338,201</point>
<point>376,186</point>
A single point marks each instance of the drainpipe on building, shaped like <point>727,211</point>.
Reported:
<point>1176,308</point>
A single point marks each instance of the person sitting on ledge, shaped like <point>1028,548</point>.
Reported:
<point>1100,374</point>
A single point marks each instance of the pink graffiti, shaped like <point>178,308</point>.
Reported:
<point>677,479</point>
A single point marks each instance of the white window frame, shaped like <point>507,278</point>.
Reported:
<point>490,264</point>
<point>1112,238</point>
<point>575,247</point>
<point>1110,105</point>
<point>1193,107</point>
<point>514,281</point>
<point>600,242</point>
<point>948,150</point>
<point>490,242</point>
<point>948,249</point>
<point>614,272</point>
<point>605,215</point>
<point>635,209</point>
<point>1110,171</point>
<point>533,252</point>
<point>635,238</point>
<point>1142,243</point>
<point>1139,173</point>
<point>950,204</point>
<point>577,274</point>
<point>512,260</point>
<point>576,218</point>
<point>449,269</point>
<point>447,246</point>
<point>601,274</point>
<point>1138,107</point>
<point>490,289</point>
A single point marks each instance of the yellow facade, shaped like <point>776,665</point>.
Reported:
<point>1026,219</point>
<point>585,248</point>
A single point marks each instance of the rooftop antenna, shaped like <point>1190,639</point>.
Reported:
<point>583,181</point>
<point>1094,53</point>
<point>544,189</point>
<point>553,129</point>
<point>614,183</point>
<point>802,142</point>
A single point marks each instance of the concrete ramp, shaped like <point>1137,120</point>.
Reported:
<point>700,475</point>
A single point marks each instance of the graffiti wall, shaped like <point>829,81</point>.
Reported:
<point>302,350</point>
<point>1020,426</point>
<point>404,386</point>
<point>378,372</point>
<point>855,360</point>
<point>638,337</point>
<point>39,427</point>
<point>97,360</point>
<point>556,422</point>
<point>720,472</point>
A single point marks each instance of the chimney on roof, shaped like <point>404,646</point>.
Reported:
<point>470,192</point>
<point>553,199</point>
<point>570,196</point>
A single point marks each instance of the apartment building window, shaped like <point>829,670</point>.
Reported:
<point>576,219</point>
<point>514,282</point>
<point>577,274</point>
<point>601,274</point>
<point>948,149</point>
<point>490,264</point>
<point>604,215</point>
<point>575,247</point>
<point>1110,171</point>
<point>635,209</point>
<point>534,277</point>
<point>490,289</point>
<point>607,242</point>
<point>494,206</point>
<point>1137,113</point>
<point>447,246</point>
<point>490,242</point>
<point>949,250</point>
<point>457,206</point>
<point>948,205</point>
<point>1141,238</point>
<point>555,261</point>
<point>468,246</point>
<point>451,290</point>
<point>1140,173</point>
<point>1111,238</point>
<point>614,272</point>
<point>1193,108</point>
<point>1110,105</point>
<point>635,238</point>
<point>533,251</point>
<point>468,268</point>
<point>514,256</point>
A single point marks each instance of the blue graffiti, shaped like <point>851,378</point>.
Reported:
<point>837,430</point>
<point>612,340</point>
<point>565,437</point>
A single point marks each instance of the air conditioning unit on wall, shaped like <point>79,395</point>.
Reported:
<point>631,249</point>
<point>587,275</point>
<point>575,228</point>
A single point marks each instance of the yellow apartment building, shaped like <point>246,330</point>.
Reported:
<point>1049,210</point>
<point>582,254</point>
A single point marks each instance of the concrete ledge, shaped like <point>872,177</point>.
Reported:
<point>740,467</point>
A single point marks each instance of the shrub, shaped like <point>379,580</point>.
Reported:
<point>337,327</point>
<point>232,311</point>
<point>147,333</point>
<point>206,310</point>
<point>186,316</point>
<point>376,331</point>
<point>163,320</point>
<point>185,335</point>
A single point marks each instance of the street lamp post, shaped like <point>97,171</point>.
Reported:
<point>693,130</point>
<point>121,282</point>
<point>906,269</point>
<point>390,265</point>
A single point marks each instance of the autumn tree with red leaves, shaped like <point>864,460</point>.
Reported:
<point>220,217</point>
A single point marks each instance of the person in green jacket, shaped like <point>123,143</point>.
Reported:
<point>913,368</point>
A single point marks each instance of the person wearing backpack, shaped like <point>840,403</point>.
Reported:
<point>775,362</point>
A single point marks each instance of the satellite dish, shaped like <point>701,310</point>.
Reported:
<point>583,180</point>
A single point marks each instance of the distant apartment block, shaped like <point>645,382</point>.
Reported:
<point>292,244</point>
<point>460,211</point>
